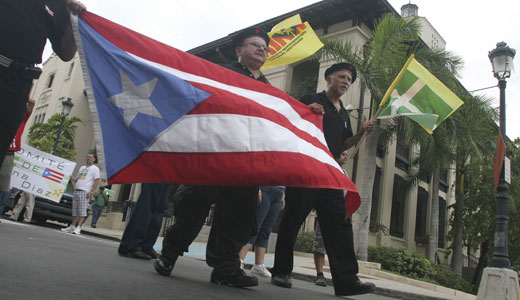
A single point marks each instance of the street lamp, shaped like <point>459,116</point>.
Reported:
<point>502,60</point>
<point>66,107</point>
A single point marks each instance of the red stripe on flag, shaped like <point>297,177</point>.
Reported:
<point>52,179</point>
<point>56,173</point>
<point>238,105</point>
<point>223,168</point>
<point>138,44</point>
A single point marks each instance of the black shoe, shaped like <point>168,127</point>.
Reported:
<point>320,280</point>
<point>164,267</point>
<point>152,253</point>
<point>282,280</point>
<point>357,289</point>
<point>237,279</point>
<point>93,226</point>
<point>135,254</point>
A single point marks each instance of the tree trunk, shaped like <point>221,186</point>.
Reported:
<point>365,187</point>
<point>482,263</point>
<point>434,220</point>
<point>456,258</point>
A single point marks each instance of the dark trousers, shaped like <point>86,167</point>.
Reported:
<point>14,93</point>
<point>145,223</point>
<point>336,231</point>
<point>234,223</point>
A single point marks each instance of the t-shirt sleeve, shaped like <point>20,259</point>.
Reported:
<point>60,24</point>
<point>308,99</point>
<point>95,173</point>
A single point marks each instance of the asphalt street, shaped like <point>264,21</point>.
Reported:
<point>44,263</point>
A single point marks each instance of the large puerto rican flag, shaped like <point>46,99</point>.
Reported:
<point>163,115</point>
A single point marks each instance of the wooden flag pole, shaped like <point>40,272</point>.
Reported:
<point>364,134</point>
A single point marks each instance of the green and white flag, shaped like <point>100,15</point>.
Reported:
<point>420,96</point>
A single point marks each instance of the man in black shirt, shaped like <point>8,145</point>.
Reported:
<point>234,221</point>
<point>329,203</point>
<point>25,26</point>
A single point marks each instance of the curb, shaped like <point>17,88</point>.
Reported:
<point>103,236</point>
<point>402,295</point>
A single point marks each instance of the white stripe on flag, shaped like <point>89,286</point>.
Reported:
<point>263,99</point>
<point>234,133</point>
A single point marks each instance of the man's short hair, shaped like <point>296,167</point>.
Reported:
<point>238,40</point>
<point>342,67</point>
<point>95,157</point>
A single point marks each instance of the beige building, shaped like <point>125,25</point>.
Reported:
<point>404,213</point>
<point>61,80</point>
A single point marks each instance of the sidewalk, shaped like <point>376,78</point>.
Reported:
<point>387,284</point>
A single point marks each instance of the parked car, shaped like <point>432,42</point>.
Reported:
<point>45,209</point>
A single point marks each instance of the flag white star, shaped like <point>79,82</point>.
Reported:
<point>135,99</point>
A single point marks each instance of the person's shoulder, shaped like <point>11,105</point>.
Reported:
<point>311,98</point>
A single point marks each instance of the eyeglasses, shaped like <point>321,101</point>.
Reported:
<point>258,45</point>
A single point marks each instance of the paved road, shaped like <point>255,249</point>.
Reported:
<point>44,263</point>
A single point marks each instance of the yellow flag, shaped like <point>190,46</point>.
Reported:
<point>291,41</point>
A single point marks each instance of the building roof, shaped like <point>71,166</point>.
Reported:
<point>320,15</point>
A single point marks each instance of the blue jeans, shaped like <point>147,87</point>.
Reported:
<point>145,223</point>
<point>96,212</point>
<point>267,213</point>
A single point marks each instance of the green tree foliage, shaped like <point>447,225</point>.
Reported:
<point>412,265</point>
<point>514,205</point>
<point>42,136</point>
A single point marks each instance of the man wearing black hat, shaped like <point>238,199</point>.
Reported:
<point>234,221</point>
<point>329,203</point>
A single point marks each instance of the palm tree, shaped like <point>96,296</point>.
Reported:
<point>378,64</point>
<point>475,132</point>
<point>43,136</point>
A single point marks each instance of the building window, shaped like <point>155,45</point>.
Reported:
<point>402,155</point>
<point>50,80</point>
<point>442,222</point>
<point>70,70</point>
<point>305,78</point>
<point>375,196</point>
<point>421,215</point>
<point>397,216</point>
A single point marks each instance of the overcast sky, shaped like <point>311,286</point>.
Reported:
<point>471,29</point>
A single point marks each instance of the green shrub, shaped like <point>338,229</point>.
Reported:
<point>405,262</point>
<point>304,242</point>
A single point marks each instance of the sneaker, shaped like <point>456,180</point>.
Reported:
<point>93,226</point>
<point>236,279</point>
<point>282,280</point>
<point>77,230</point>
<point>260,270</point>
<point>320,280</point>
<point>69,229</point>
<point>163,266</point>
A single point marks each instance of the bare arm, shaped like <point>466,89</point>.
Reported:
<point>30,106</point>
<point>66,48</point>
<point>368,127</point>
<point>93,189</point>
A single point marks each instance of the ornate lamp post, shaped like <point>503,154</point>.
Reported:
<point>66,107</point>
<point>502,60</point>
<point>499,281</point>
